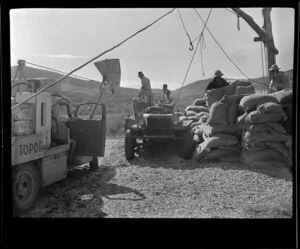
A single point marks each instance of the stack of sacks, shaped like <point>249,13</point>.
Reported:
<point>263,138</point>
<point>218,142</point>
<point>285,98</point>
<point>196,113</point>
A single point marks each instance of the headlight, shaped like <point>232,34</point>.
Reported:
<point>142,122</point>
<point>175,120</point>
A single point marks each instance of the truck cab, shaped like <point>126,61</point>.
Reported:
<point>48,140</point>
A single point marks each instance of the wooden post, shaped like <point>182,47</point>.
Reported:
<point>265,33</point>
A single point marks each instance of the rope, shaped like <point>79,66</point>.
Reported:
<point>96,57</point>
<point>192,57</point>
<point>192,46</point>
<point>55,70</point>
<point>262,61</point>
<point>225,52</point>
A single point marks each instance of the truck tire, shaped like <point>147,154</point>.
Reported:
<point>94,164</point>
<point>188,146</point>
<point>26,183</point>
<point>129,147</point>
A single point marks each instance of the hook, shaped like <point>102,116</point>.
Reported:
<point>191,46</point>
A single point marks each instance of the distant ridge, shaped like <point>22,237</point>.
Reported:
<point>78,90</point>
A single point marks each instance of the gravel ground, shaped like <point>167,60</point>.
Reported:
<point>163,185</point>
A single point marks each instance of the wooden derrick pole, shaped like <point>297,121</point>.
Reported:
<point>265,34</point>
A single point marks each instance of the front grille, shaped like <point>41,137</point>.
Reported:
<point>158,123</point>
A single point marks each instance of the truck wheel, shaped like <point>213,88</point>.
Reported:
<point>26,184</point>
<point>130,144</point>
<point>94,164</point>
<point>187,149</point>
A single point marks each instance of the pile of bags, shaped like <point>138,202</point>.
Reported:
<point>218,138</point>
<point>198,112</point>
<point>264,140</point>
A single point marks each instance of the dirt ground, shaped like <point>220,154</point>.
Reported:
<point>163,185</point>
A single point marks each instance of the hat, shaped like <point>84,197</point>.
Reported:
<point>274,67</point>
<point>218,73</point>
<point>165,85</point>
<point>140,73</point>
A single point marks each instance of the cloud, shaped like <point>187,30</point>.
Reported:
<point>61,56</point>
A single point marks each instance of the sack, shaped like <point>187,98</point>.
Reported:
<point>219,139</point>
<point>269,164</point>
<point>271,127</point>
<point>261,155</point>
<point>264,137</point>
<point>257,117</point>
<point>232,99</point>
<point>270,108</point>
<point>244,83</point>
<point>284,96</point>
<point>241,119</point>
<point>234,149</point>
<point>250,102</point>
<point>194,118</point>
<point>217,154</point>
<point>200,114</point>
<point>196,109</point>
<point>218,114</point>
<point>245,90</point>
<point>279,147</point>
<point>289,143</point>
<point>190,113</point>
<point>212,129</point>
<point>181,118</point>
<point>199,102</point>
<point>197,138</point>
<point>195,124</point>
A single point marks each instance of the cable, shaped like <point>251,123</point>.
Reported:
<point>58,71</point>
<point>225,51</point>
<point>192,57</point>
<point>89,61</point>
<point>192,47</point>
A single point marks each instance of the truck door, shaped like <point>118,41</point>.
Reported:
<point>89,134</point>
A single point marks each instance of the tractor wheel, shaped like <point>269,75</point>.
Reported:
<point>130,144</point>
<point>188,147</point>
<point>94,164</point>
<point>26,184</point>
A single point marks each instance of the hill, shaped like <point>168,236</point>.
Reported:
<point>78,90</point>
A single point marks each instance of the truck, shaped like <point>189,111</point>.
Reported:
<point>48,140</point>
<point>157,123</point>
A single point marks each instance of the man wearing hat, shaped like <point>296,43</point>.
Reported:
<point>217,82</point>
<point>279,80</point>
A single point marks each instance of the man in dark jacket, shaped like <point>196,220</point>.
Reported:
<point>217,82</point>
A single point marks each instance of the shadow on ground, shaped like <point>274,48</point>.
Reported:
<point>81,194</point>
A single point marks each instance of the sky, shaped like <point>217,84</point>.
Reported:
<point>64,39</point>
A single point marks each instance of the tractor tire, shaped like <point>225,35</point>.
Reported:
<point>26,183</point>
<point>94,164</point>
<point>188,147</point>
<point>130,144</point>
